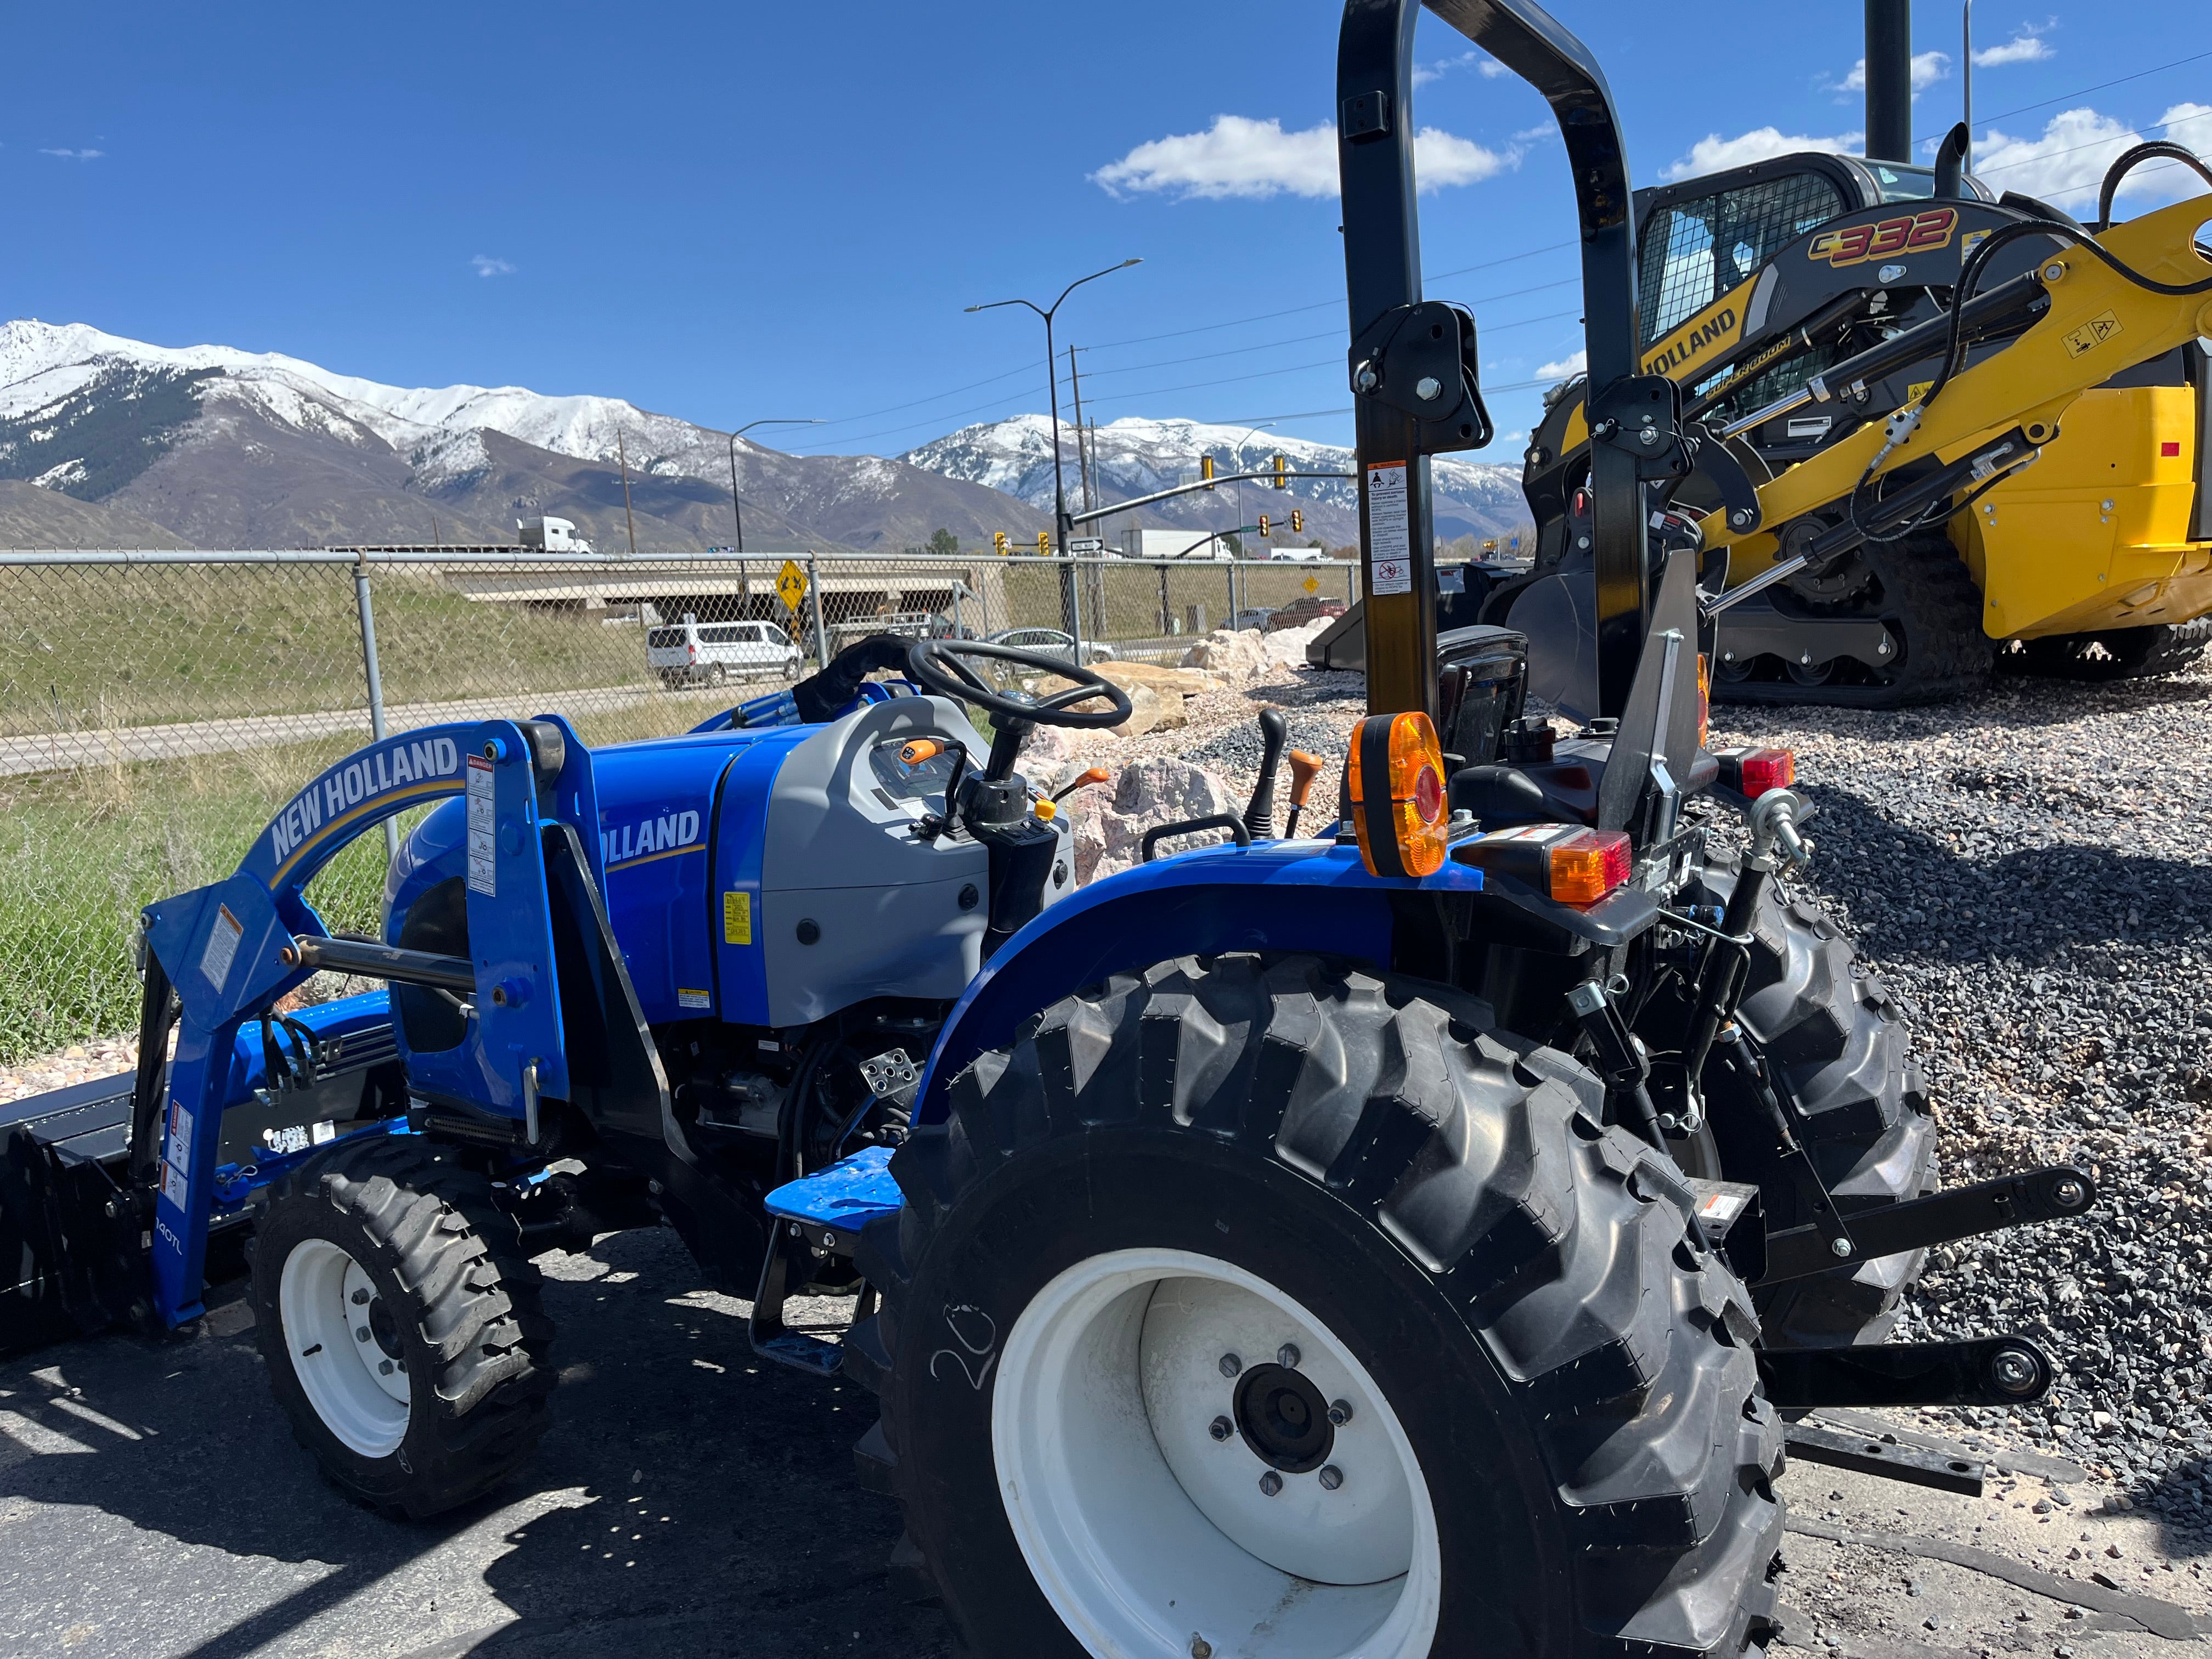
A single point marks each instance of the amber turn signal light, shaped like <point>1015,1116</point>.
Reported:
<point>1396,783</point>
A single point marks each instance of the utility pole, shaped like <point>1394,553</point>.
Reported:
<point>736,507</point>
<point>1966,81</point>
<point>1067,602</point>
<point>622,457</point>
<point>1082,460</point>
<point>1889,79</point>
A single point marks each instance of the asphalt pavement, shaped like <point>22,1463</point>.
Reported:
<point>694,1503</point>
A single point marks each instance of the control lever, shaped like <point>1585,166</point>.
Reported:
<point>1082,781</point>
<point>1260,812</point>
<point>1304,768</point>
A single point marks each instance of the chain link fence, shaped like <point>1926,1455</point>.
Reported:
<point>156,707</point>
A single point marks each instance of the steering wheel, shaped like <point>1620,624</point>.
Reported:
<point>938,666</point>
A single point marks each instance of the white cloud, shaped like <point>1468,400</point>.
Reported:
<point>1714,153</point>
<point>1237,157</point>
<point>487,266</point>
<point>1928,68</point>
<point>1481,62</point>
<point>76,154</point>
<point>1576,363</point>
<point>2022,48</point>
<point>1491,69</point>
<point>2068,162</point>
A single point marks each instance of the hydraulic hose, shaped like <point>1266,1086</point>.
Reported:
<point>2130,159</point>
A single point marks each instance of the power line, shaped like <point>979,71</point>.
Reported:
<point>2081,93</point>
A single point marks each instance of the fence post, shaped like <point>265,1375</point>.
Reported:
<point>367,615</point>
<point>1230,621</point>
<point>814,596</point>
<point>1074,578</point>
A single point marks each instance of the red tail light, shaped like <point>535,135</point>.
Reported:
<point>1752,772</point>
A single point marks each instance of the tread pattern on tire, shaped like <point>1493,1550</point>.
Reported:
<point>2131,654</point>
<point>1835,1033</point>
<point>1562,1241</point>
<point>1927,593</point>
<point>483,1314</point>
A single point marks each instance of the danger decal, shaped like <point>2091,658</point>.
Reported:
<point>1883,238</point>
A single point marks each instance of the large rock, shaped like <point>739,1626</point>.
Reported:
<point>1285,648</point>
<point>1238,655</point>
<point>1109,832</point>
<point>1184,682</point>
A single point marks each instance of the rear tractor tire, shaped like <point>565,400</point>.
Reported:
<point>1261,1306</point>
<point>1835,1034</point>
<point>402,1326</point>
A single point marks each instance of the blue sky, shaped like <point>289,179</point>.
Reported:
<point>730,211</point>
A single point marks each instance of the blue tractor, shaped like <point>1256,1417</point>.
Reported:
<point>1406,1237</point>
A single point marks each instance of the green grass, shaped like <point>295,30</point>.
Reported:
<point>81,853</point>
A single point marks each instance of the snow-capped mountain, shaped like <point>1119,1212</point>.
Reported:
<point>1134,456</point>
<point>223,447</point>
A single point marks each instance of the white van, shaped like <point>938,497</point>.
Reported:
<point>693,652</point>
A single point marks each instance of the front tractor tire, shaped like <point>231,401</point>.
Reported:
<point>401,1325</point>
<point>1260,1306</point>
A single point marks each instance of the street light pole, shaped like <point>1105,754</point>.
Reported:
<point>736,508</point>
<point>1052,385</point>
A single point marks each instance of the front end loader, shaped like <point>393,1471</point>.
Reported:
<point>1419,1235</point>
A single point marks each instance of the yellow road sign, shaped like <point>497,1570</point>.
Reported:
<point>1312,585</point>
<point>791,585</point>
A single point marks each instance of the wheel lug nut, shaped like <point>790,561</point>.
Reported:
<point>383,1368</point>
<point>1331,1477</point>
<point>1287,1356</point>
<point>360,1332</point>
<point>1231,1365</point>
<point>1340,1413</point>
<point>1221,1428</point>
<point>361,1299</point>
<point>1270,1483</point>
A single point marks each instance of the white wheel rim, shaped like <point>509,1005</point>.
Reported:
<point>1147,1535</point>
<point>343,1372</point>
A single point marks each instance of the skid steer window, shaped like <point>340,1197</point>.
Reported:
<point>1694,252</point>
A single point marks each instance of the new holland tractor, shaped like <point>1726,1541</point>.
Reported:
<point>1417,1237</point>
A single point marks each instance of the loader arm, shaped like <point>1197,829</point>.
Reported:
<point>2099,323</point>
<point>231,950</point>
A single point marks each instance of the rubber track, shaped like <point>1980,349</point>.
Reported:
<point>1837,1035</point>
<point>2144,652</point>
<point>1928,597</point>
<point>483,1311</point>
<point>1484,1156</point>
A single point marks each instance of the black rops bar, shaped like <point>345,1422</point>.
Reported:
<point>1382,257</point>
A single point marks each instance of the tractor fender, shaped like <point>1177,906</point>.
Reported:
<point>1277,896</point>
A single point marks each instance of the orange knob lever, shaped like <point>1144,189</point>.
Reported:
<point>1083,781</point>
<point>920,750</point>
<point>1304,768</point>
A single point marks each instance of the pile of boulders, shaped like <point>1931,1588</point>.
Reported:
<point>1247,654</point>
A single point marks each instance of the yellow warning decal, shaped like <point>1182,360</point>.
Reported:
<point>737,918</point>
<point>1917,391</point>
<point>2092,334</point>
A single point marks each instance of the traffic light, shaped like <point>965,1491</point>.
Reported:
<point>1263,526</point>
<point>1205,469</point>
<point>999,543</point>
<point>1282,473</point>
<point>1297,522</point>
<point>1044,543</point>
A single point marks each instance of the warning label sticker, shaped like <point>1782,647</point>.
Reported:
<point>737,918</point>
<point>180,1151</point>
<point>1389,530</point>
<point>693,999</point>
<point>2092,334</point>
<point>222,946</point>
<point>173,1185</point>
<point>484,833</point>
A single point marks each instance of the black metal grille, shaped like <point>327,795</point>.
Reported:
<point>1696,251</point>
